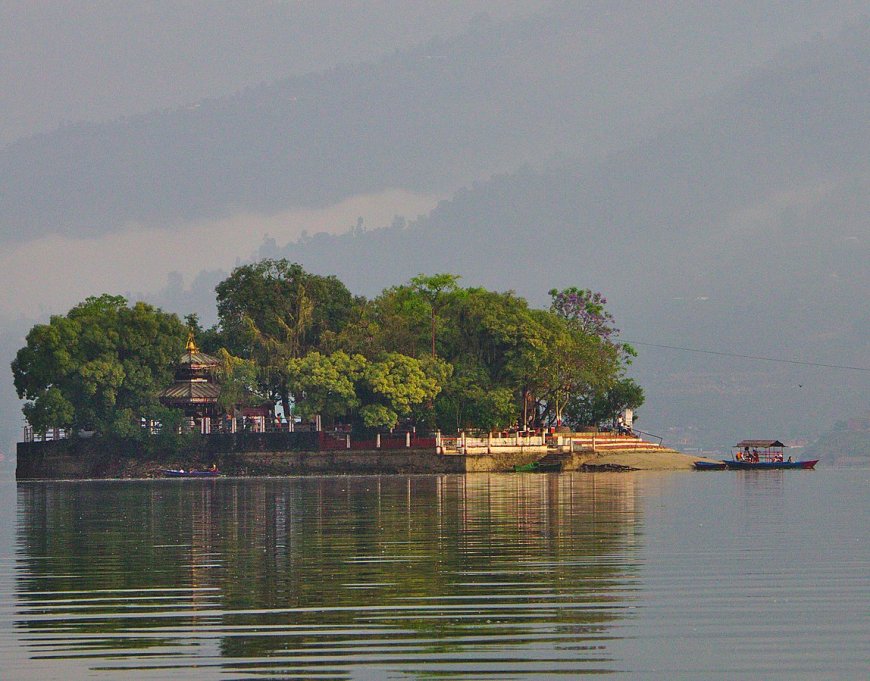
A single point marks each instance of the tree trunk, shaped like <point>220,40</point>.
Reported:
<point>285,403</point>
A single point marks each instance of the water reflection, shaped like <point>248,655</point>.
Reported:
<point>339,577</point>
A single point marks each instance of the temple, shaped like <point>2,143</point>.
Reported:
<point>195,390</point>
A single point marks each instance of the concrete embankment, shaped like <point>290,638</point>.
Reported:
<point>89,459</point>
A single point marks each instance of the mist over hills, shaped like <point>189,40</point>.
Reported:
<point>743,230</point>
<point>571,80</point>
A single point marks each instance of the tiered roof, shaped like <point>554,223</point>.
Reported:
<point>194,380</point>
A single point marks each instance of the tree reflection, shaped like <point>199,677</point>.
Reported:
<point>401,572</point>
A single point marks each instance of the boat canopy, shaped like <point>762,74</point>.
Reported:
<point>762,444</point>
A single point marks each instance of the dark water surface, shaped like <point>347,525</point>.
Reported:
<point>717,575</point>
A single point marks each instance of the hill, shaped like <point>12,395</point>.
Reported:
<point>842,446</point>
<point>741,230</point>
<point>570,80</point>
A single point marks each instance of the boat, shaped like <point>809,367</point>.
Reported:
<point>539,467</point>
<point>756,455</point>
<point>710,465</point>
<point>181,473</point>
<point>769,465</point>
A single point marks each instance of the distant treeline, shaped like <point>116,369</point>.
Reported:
<point>428,353</point>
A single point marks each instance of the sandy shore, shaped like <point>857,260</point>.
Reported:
<point>646,460</point>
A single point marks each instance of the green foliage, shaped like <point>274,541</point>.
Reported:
<point>326,384</point>
<point>100,367</point>
<point>49,409</point>
<point>275,301</point>
<point>239,382</point>
<point>273,311</point>
<point>469,402</point>
<point>379,416</point>
<point>173,436</point>
<point>503,352</point>
<point>395,385</point>
<point>428,351</point>
<point>600,406</point>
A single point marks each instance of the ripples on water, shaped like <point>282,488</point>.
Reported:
<point>499,576</point>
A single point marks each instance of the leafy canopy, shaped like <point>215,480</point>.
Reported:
<point>427,351</point>
<point>99,367</point>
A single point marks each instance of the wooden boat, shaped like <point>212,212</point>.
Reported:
<point>758,455</point>
<point>710,465</point>
<point>181,473</point>
<point>769,465</point>
<point>539,467</point>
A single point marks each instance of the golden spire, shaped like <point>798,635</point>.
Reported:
<point>191,344</point>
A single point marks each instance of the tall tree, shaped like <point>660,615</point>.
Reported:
<point>594,407</point>
<point>239,382</point>
<point>434,289</point>
<point>273,311</point>
<point>597,387</point>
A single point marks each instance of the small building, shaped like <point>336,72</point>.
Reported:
<point>195,390</point>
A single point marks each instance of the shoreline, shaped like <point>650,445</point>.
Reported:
<point>78,460</point>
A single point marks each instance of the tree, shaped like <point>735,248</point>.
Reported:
<point>100,367</point>
<point>434,289</point>
<point>469,401</point>
<point>586,309</point>
<point>273,311</point>
<point>499,335</point>
<point>603,406</point>
<point>585,373</point>
<point>325,384</point>
<point>239,381</point>
<point>393,386</point>
<point>402,319</point>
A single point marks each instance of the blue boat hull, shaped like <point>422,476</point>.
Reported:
<point>710,465</point>
<point>769,465</point>
<point>171,473</point>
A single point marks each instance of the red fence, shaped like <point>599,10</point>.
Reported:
<point>338,441</point>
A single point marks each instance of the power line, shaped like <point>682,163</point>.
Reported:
<point>757,357</point>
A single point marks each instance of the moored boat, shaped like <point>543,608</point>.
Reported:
<point>539,467</point>
<point>181,473</point>
<point>710,465</point>
<point>769,465</point>
<point>757,455</point>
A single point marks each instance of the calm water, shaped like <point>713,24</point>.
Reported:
<point>717,575</point>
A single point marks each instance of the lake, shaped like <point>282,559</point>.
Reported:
<point>718,575</point>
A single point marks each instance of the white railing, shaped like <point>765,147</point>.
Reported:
<point>464,443</point>
<point>49,435</point>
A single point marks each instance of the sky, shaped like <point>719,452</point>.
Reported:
<point>502,85</point>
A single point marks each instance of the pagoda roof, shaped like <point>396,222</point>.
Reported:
<point>193,357</point>
<point>199,359</point>
<point>191,391</point>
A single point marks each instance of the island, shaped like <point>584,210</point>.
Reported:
<point>300,376</point>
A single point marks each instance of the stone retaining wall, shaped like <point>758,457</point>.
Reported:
<point>118,458</point>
